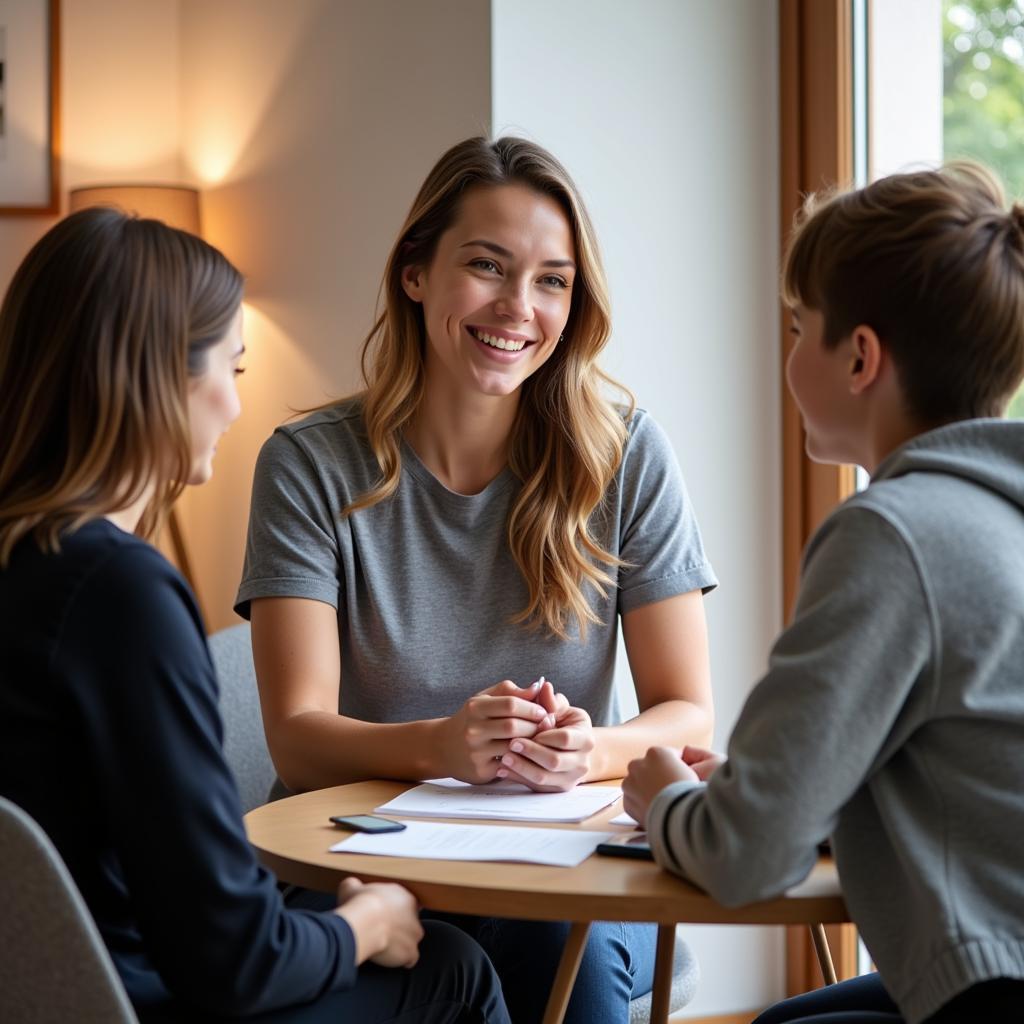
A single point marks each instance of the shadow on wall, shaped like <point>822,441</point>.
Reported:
<point>312,125</point>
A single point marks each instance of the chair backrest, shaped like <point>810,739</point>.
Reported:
<point>245,744</point>
<point>54,965</point>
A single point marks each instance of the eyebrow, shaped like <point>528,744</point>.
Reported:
<point>501,251</point>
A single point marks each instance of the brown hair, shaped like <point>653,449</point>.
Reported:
<point>934,263</point>
<point>102,325</point>
<point>568,437</point>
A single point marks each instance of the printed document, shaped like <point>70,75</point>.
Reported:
<point>431,840</point>
<point>501,801</point>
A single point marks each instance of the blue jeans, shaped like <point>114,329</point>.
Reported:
<point>617,966</point>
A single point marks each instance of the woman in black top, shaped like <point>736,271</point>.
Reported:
<point>119,343</point>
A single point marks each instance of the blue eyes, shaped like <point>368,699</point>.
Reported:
<point>490,267</point>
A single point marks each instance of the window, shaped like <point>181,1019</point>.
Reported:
<point>983,93</point>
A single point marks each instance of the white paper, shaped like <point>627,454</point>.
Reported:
<point>623,819</point>
<point>431,840</point>
<point>499,801</point>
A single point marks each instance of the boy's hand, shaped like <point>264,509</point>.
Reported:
<point>649,775</point>
<point>703,762</point>
<point>385,921</point>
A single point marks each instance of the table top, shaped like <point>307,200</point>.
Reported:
<point>292,837</point>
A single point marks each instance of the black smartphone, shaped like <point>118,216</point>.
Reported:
<point>366,823</point>
<point>629,844</point>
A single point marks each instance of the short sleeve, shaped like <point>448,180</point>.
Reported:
<point>659,538</point>
<point>292,544</point>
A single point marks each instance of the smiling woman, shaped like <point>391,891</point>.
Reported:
<point>481,515</point>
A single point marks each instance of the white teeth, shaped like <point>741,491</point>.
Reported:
<point>504,344</point>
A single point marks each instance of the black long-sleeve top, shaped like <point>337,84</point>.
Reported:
<point>110,737</point>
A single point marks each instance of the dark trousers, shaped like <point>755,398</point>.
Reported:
<point>453,982</point>
<point>864,1000</point>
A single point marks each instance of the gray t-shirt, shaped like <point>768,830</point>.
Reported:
<point>424,582</point>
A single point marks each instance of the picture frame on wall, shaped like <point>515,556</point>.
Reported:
<point>29,107</point>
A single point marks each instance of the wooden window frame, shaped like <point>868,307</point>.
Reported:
<point>816,148</point>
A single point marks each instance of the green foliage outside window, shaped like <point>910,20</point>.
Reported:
<point>983,92</point>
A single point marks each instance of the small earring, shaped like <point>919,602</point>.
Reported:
<point>561,337</point>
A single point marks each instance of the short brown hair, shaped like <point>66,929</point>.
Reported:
<point>934,263</point>
<point>103,324</point>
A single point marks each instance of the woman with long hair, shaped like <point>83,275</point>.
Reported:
<point>481,515</point>
<point>120,340</point>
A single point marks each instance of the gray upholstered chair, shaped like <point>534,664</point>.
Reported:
<point>245,744</point>
<point>54,966</point>
<point>685,978</point>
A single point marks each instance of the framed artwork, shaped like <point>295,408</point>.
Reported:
<point>29,107</point>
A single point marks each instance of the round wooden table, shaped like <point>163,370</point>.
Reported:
<point>292,837</point>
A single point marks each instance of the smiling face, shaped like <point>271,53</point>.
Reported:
<point>213,403</point>
<point>497,294</point>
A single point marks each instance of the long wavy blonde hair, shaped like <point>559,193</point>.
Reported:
<point>568,437</point>
<point>102,326</point>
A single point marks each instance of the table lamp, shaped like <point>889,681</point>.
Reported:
<point>178,207</point>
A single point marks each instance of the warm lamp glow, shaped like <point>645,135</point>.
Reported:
<point>176,205</point>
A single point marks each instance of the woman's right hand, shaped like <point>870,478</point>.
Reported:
<point>477,736</point>
<point>384,919</point>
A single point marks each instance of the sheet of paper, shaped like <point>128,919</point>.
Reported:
<point>623,819</point>
<point>500,801</point>
<point>430,840</point>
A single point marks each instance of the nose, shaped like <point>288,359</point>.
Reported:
<point>514,301</point>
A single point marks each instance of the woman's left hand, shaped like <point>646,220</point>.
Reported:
<point>556,759</point>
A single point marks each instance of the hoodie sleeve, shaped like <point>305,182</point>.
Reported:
<point>837,689</point>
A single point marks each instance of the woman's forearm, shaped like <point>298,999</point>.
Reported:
<point>314,749</point>
<point>672,723</point>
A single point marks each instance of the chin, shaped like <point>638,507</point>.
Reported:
<point>501,387</point>
<point>201,472</point>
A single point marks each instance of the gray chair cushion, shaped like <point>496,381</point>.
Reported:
<point>54,966</point>
<point>685,978</point>
<point>245,744</point>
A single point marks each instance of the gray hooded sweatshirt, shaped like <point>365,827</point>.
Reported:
<point>891,718</point>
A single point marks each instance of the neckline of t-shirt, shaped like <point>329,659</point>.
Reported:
<point>411,461</point>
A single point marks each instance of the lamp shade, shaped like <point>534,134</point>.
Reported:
<point>176,205</point>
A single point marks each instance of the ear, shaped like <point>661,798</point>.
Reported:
<point>866,359</point>
<point>412,282</point>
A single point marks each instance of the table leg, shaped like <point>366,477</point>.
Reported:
<point>568,966</point>
<point>828,971</point>
<point>661,993</point>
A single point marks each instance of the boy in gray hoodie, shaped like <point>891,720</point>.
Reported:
<point>891,717</point>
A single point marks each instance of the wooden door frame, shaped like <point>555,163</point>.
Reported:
<point>816,149</point>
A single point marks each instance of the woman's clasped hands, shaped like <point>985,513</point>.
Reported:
<point>530,735</point>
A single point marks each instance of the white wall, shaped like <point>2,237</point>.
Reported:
<point>666,114</point>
